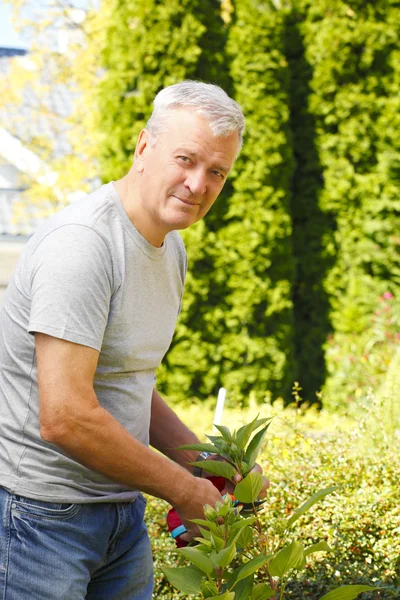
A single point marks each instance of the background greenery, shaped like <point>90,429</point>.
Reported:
<point>288,271</point>
<point>294,274</point>
<point>306,452</point>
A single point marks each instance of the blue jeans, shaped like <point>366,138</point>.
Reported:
<point>54,551</point>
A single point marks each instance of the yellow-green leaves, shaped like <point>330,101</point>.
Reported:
<point>185,579</point>
<point>234,558</point>
<point>347,592</point>
<point>252,566</point>
<point>224,557</point>
<point>223,469</point>
<point>238,449</point>
<point>249,488</point>
<point>290,557</point>
<point>262,591</point>
<point>200,560</point>
<point>319,547</point>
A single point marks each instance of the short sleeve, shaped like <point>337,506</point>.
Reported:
<point>71,280</point>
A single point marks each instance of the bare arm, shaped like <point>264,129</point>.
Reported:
<point>167,432</point>
<point>71,418</point>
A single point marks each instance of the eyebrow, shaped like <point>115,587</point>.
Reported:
<point>192,154</point>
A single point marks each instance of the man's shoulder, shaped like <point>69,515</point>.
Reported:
<point>80,214</point>
<point>85,211</point>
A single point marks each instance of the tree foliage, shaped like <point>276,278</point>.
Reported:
<point>62,64</point>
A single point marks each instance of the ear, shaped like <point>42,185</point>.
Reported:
<point>142,147</point>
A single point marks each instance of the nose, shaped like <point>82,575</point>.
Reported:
<point>196,182</point>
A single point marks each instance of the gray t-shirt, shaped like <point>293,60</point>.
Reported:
<point>89,277</point>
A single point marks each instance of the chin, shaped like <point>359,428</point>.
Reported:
<point>182,221</point>
<point>183,224</point>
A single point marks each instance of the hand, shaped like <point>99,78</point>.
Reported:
<point>203,493</point>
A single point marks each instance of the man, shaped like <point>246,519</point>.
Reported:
<point>88,317</point>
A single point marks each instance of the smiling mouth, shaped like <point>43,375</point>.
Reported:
<point>187,202</point>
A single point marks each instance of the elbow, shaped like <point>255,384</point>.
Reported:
<point>53,433</point>
<point>55,424</point>
<point>66,419</point>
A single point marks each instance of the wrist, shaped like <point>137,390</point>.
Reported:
<point>197,470</point>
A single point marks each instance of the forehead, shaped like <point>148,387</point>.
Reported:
<point>185,129</point>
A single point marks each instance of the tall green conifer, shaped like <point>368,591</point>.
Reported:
<point>346,189</point>
<point>236,329</point>
<point>257,231</point>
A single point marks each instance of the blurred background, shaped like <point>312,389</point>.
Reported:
<point>295,274</point>
<point>292,300</point>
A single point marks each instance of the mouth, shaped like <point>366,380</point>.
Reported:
<point>186,201</point>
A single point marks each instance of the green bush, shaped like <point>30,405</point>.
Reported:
<point>361,522</point>
<point>360,353</point>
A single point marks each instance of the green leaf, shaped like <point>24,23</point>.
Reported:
<point>225,432</point>
<point>222,469</point>
<point>206,533</point>
<point>255,446</point>
<point>208,588</point>
<point>252,566</point>
<point>320,547</point>
<point>200,447</point>
<point>215,439</point>
<point>249,488</point>
<point>245,537</point>
<point>233,537</point>
<point>347,592</point>
<point>203,541</point>
<point>243,588</point>
<point>262,591</point>
<point>217,541</point>
<point>185,579</point>
<point>309,503</point>
<point>243,522</point>
<point>290,557</point>
<point>244,433</point>
<point>196,557</point>
<point>210,524</point>
<point>224,557</point>
<point>225,596</point>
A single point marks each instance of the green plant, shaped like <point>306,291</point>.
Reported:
<point>233,558</point>
<point>360,353</point>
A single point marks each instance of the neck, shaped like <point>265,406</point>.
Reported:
<point>128,191</point>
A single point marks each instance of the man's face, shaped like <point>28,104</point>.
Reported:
<point>182,170</point>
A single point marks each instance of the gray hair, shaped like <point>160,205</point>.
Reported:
<point>223,114</point>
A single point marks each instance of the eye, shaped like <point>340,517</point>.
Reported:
<point>218,174</point>
<point>185,159</point>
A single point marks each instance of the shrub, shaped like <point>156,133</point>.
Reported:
<point>361,522</point>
